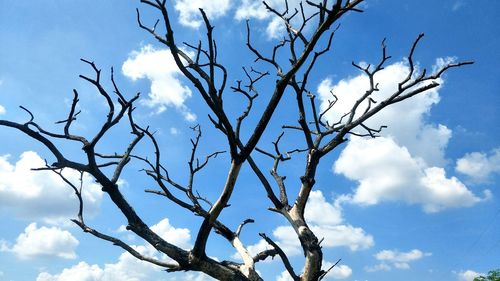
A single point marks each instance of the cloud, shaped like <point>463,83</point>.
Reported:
<point>129,268</point>
<point>479,166</point>
<point>404,164</point>
<point>159,67</point>
<point>355,238</point>
<point>43,195</point>
<point>468,275</point>
<point>174,131</point>
<point>378,267</point>
<point>340,271</point>
<point>395,259</point>
<point>80,272</point>
<point>43,242</point>
<point>325,220</point>
<point>2,110</point>
<point>458,5</point>
<point>189,10</point>
<point>180,237</point>
<point>249,9</point>
<point>427,141</point>
<point>284,276</point>
<point>318,207</point>
<point>387,172</point>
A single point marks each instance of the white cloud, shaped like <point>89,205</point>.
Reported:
<point>387,172</point>
<point>43,195</point>
<point>325,220</point>
<point>159,67</point>
<point>43,242</point>
<point>355,238</point>
<point>479,166</point>
<point>404,163</point>
<point>2,110</point>
<point>252,9</point>
<point>321,212</point>
<point>249,9</point>
<point>395,259</point>
<point>180,237</point>
<point>468,275</point>
<point>80,272</point>
<point>340,271</point>
<point>378,267</point>
<point>129,268</point>
<point>423,140</point>
<point>174,131</point>
<point>189,13</point>
<point>284,276</point>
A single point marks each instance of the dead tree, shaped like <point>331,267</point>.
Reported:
<point>307,39</point>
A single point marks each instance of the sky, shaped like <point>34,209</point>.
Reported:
<point>419,203</point>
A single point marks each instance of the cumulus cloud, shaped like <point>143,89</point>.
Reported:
<point>395,259</point>
<point>388,172</point>
<point>159,67</point>
<point>325,220</point>
<point>479,166</point>
<point>37,242</point>
<point>80,272</point>
<point>468,275</point>
<point>404,164</point>
<point>129,268</point>
<point>189,10</point>
<point>2,110</point>
<point>43,195</point>
<point>405,120</point>
<point>180,237</point>
<point>340,271</point>
<point>249,9</point>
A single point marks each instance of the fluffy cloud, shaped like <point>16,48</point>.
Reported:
<point>127,267</point>
<point>404,163</point>
<point>387,172</point>
<point>180,237</point>
<point>43,195</point>
<point>394,259</point>
<point>249,9</point>
<point>2,110</point>
<point>43,242</point>
<point>321,212</point>
<point>80,272</point>
<point>189,10</point>
<point>159,67</point>
<point>355,238</point>
<point>468,275</point>
<point>479,166</point>
<point>340,271</point>
<point>405,120</point>
<point>325,220</point>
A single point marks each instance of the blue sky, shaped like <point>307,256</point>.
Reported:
<point>420,203</point>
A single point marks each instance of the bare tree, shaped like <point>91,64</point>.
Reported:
<point>308,37</point>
